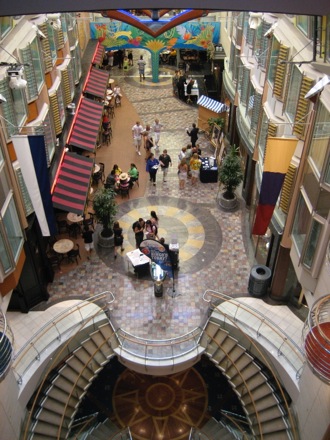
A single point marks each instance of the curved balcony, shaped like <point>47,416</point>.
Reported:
<point>316,334</point>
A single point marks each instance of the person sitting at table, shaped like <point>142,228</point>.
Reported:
<point>117,94</point>
<point>117,170</point>
<point>124,182</point>
<point>111,181</point>
<point>195,164</point>
<point>105,121</point>
<point>133,174</point>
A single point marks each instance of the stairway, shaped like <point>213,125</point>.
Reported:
<point>67,385</point>
<point>249,380</point>
<point>106,430</point>
<point>214,430</point>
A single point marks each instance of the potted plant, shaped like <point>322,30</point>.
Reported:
<point>230,176</point>
<point>105,209</point>
<point>220,122</point>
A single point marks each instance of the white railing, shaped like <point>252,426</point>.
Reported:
<point>260,326</point>
<point>6,344</point>
<point>62,325</point>
<point>160,349</point>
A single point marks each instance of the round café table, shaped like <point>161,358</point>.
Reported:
<point>111,81</point>
<point>63,246</point>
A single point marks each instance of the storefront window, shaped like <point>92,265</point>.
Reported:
<point>320,138</point>
<point>293,93</point>
<point>300,225</point>
<point>273,60</point>
<point>312,243</point>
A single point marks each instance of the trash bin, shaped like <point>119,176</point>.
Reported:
<point>259,280</point>
<point>158,276</point>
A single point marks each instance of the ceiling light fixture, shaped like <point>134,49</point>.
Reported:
<point>54,21</point>
<point>255,20</point>
<point>16,77</point>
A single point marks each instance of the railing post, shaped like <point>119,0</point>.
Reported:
<point>262,321</point>
<point>38,354</point>
<point>59,337</point>
<point>236,312</point>
<point>279,353</point>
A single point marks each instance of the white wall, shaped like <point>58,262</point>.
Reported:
<point>11,412</point>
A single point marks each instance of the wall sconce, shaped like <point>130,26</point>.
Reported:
<point>16,77</point>
<point>255,20</point>
<point>54,21</point>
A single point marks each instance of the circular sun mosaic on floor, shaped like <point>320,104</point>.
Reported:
<point>194,227</point>
<point>160,408</point>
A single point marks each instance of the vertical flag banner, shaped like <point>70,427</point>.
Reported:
<point>279,152</point>
<point>158,254</point>
<point>31,155</point>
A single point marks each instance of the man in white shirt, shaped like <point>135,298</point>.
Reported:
<point>137,131</point>
<point>141,64</point>
<point>157,129</point>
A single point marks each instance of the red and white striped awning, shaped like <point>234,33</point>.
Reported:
<point>97,83</point>
<point>86,125</point>
<point>72,183</point>
<point>98,55</point>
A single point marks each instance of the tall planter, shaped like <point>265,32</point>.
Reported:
<point>105,209</point>
<point>230,176</point>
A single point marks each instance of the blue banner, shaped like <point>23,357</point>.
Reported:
<point>158,254</point>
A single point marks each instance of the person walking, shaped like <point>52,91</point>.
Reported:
<point>137,131</point>
<point>165,162</point>
<point>193,133</point>
<point>118,238</point>
<point>182,173</point>
<point>130,57</point>
<point>87,235</point>
<point>148,141</point>
<point>156,128</point>
<point>141,64</point>
<point>154,218</point>
<point>152,167</point>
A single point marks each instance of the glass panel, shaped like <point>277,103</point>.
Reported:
<point>300,226</point>
<point>263,136</point>
<point>273,60</point>
<point>13,228</point>
<point>312,243</point>
<point>327,45</point>
<point>5,25</point>
<point>327,173</point>
<point>303,23</point>
<point>19,105</point>
<point>293,93</point>
<point>4,186</point>
<point>4,254</point>
<point>37,63</point>
<point>320,138</point>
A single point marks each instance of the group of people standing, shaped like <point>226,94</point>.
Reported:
<point>146,228</point>
<point>179,81</point>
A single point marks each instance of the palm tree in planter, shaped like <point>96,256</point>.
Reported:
<point>230,176</point>
<point>105,209</point>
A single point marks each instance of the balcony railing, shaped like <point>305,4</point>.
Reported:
<point>260,326</point>
<point>65,323</point>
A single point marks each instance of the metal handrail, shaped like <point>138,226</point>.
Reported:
<point>272,370</point>
<point>54,362</point>
<point>170,343</point>
<point>6,333</point>
<point>293,354</point>
<point>38,345</point>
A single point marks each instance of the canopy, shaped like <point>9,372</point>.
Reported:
<point>86,125</point>
<point>212,104</point>
<point>98,55</point>
<point>97,83</point>
<point>72,183</point>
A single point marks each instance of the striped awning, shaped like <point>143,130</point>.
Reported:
<point>98,55</point>
<point>72,183</point>
<point>211,104</point>
<point>97,83</point>
<point>86,125</point>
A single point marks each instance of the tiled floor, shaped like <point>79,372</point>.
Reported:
<point>213,247</point>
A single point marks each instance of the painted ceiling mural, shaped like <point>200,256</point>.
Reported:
<point>190,35</point>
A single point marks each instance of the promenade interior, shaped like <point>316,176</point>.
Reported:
<point>214,250</point>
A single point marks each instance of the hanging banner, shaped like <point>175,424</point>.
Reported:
<point>31,155</point>
<point>158,254</point>
<point>279,152</point>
